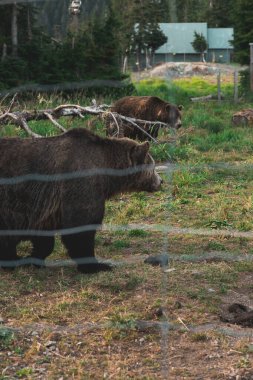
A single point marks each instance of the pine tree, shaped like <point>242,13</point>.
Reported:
<point>191,10</point>
<point>199,44</point>
<point>220,13</point>
<point>146,34</point>
<point>243,31</point>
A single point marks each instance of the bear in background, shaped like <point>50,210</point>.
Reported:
<point>150,108</point>
<point>61,184</point>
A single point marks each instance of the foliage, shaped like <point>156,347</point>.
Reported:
<point>91,53</point>
<point>147,38</point>
<point>199,43</point>
<point>139,29</point>
<point>12,72</point>
<point>244,83</point>
<point>220,14</point>
<point>243,35</point>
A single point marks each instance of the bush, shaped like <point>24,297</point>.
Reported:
<point>12,72</point>
<point>244,83</point>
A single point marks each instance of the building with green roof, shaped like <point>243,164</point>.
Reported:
<point>178,47</point>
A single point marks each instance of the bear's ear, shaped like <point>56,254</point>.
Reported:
<point>139,152</point>
<point>180,107</point>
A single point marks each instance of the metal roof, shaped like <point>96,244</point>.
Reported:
<point>181,35</point>
<point>219,38</point>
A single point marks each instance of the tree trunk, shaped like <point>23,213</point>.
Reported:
<point>4,52</point>
<point>173,11</point>
<point>148,65</point>
<point>138,59</point>
<point>124,69</point>
<point>29,26</point>
<point>14,29</point>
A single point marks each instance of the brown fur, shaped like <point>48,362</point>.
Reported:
<point>150,108</point>
<point>52,203</point>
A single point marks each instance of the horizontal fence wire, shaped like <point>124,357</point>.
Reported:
<point>164,327</point>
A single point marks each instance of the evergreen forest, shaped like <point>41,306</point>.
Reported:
<point>42,42</point>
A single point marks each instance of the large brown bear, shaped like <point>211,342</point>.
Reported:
<point>60,185</point>
<point>150,108</point>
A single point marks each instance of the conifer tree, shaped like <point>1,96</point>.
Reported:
<point>220,14</point>
<point>199,44</point>
<point>243,31</point>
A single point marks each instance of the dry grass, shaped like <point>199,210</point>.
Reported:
<point>58,324</point>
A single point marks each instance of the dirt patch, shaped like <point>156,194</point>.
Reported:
<point>172,70</point>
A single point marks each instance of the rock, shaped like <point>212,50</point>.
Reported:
<point>159,312</point>
<point>50,343</point>
<point>238,314</point>
<point>161,260</point>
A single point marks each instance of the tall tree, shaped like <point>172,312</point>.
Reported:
<point>191,10</point>
<point>14,29</point>
<point>172,6</point>
<point>243,31</point>
<point>219,13</point>
<point>138,29</point>
<point>145,34</point>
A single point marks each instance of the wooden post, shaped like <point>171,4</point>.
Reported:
<point>219,86</point>
<point>251,66</point>
<point>236,86</point>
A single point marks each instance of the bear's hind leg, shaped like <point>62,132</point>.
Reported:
<point>81,249</point>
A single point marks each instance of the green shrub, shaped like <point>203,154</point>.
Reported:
<point>244,82</point>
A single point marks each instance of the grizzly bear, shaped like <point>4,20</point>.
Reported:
<point>59,185</point>
<point>150,108</point>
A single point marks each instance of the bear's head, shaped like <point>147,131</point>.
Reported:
<point>141,174</point>
<point>171,115</point>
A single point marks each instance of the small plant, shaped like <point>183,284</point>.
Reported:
<point>24,372</point>
<point>120,244</point>
<point>138,233</point>
<point>215,245</point>
<point>218,224</point>
<point>6,336</point>
<point>199,337</point>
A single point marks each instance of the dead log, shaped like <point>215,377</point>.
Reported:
<point>202,98</point>
<point>21,118</point>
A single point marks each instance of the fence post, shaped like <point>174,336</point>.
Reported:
<point>218,85</point>
<point>251,66</point>
<point>236,86</point>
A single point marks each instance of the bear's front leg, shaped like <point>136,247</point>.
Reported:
<point>8,253</point>
<point>43,246</point>
<point>81,249</point>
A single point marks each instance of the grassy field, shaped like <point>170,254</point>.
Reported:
<point>58,324</point>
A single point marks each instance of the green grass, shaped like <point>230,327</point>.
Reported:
<point>194,195</point>
<point>182,90</point>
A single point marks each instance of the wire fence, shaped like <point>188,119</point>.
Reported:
<point>165,326</point>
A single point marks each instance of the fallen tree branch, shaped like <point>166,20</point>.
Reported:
<point>73,110</point>
<point>202,98</point>
<point>25,126</point>
<point>50,117</point>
